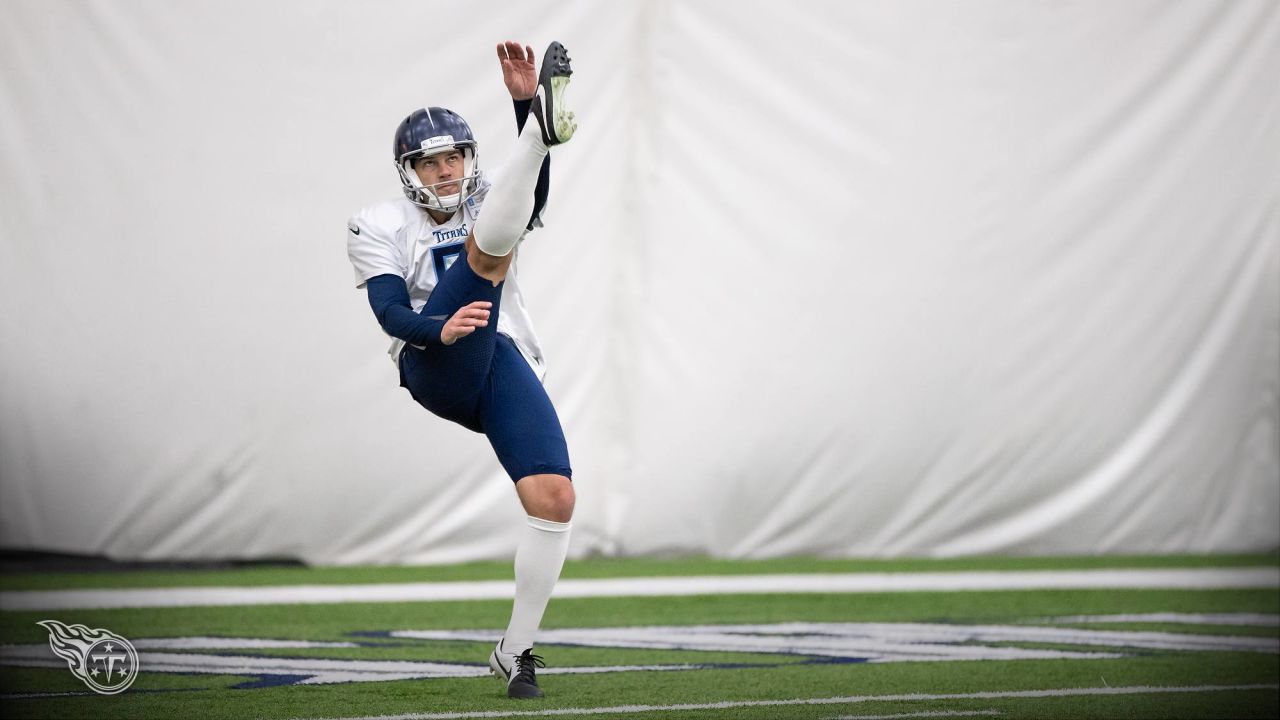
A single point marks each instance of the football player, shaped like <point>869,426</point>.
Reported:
<point>440,277</point>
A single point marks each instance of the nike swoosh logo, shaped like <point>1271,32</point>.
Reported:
<point>355,229</point>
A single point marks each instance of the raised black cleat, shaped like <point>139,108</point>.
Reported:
<point>554,118</point>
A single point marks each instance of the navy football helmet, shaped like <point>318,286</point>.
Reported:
<point>428,131</point>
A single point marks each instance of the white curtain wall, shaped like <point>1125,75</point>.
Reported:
<point>837,278</point>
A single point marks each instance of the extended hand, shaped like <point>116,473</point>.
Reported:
<point>465,321</point>
<point>518,70</point>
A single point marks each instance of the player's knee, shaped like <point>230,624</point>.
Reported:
<point>489,267</point>
<point>556,500</point>
<point>484,263</point>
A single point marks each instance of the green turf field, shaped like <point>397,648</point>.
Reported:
<point>1191,653</point>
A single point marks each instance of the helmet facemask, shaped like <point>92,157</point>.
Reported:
<point>425,196</point>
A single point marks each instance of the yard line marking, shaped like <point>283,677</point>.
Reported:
<point>924,714</point>
<point>1179,579</point>
<point>847,700</point>
<point>312,671</point>
<point>844,642</point>
<point>227,643</point>
<point>35,696</point>
<point>873,641</point>
<point>1240,619</point>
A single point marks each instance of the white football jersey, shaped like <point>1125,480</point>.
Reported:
<point>399,238</point>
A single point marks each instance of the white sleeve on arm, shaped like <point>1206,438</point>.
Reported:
<point>375,248</point>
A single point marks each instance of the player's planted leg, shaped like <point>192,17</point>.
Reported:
<point>539,559</point>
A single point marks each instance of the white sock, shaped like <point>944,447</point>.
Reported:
<point>509,203</point>
<point>539,558</point>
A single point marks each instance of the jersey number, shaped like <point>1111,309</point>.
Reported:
<point>443,257</point>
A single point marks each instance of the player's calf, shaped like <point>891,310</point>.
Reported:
<point>510,201</point>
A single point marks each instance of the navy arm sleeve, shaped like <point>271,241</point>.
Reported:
<point>389,299</point>
<point>543,188</point>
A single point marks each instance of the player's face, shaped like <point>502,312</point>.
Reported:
<point>440,168</point>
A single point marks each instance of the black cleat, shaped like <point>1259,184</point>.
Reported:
<point>555,120</point>
<point>517,672</point>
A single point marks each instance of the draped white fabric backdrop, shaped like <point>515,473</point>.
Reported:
<point>870,278</point>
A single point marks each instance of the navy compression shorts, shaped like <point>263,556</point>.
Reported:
<point>484,384</point>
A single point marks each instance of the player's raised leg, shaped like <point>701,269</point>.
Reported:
<point>464,359</point>
<point>510,201</point>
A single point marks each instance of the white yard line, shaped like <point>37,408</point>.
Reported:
<point>924,714</point>
<point>317,671</point>
<point>853,642</point>
<point>1165,579</point>
<point>873,641</point>
<point>1242,619</point>
<point>36,696</point>
<point>848,700</point>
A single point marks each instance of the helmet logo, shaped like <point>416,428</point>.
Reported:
<point>437,141</point>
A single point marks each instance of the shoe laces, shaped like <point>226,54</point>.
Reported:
<point>525,664</point>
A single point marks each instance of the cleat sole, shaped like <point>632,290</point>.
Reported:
<point>564,121</point>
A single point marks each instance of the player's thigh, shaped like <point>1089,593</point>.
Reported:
<point>430,389</point>
<point>519,419</point>
<point>443,376</point>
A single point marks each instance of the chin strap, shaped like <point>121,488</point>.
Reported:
<point>449,203</point>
